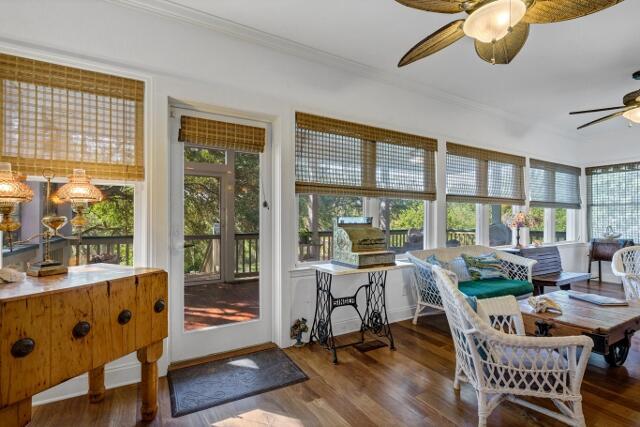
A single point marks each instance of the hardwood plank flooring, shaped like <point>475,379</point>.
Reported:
<point>411,386</point>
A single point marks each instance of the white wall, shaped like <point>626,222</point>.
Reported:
<point>196,64</point>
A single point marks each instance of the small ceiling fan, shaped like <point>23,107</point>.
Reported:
<point>500,27</point>
<point>630,109</point>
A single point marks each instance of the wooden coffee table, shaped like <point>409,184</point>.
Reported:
<point>610,328</point>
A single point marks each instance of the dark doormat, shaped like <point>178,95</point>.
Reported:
<point>199,387</point>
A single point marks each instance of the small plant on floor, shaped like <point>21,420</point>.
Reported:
<point>298,328</point>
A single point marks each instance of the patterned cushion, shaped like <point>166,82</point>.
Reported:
<point>484,267</point>
<point>458,266</point>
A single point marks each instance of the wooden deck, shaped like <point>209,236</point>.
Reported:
<point>411,386</point>
<point>215,304</point>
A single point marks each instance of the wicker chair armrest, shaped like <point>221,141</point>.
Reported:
<point>580,341</point>
<point>516,267</point>
<point>502,313</point>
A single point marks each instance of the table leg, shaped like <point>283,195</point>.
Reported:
<point>148,357</point>
<point>375,316</point>
<point>17,414</point>
<point>96,384</point>
<point>322,329</point>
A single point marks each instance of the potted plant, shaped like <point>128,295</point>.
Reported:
<point>298,328</point>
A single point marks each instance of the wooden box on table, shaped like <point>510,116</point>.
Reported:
<point>58,327</point>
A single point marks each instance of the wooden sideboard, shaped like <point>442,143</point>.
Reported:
<point>58,327</point>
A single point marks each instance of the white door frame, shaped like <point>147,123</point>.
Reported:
<point>192,344</point>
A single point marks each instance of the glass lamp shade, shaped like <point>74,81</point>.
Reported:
<point>12,187</point>
<point>492,21</point>
<point>633,115</point>
<point>78,190</point>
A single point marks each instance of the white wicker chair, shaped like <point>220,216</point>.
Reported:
<point>501,365</point>
<point>626,265</point>
<point>427,295</point>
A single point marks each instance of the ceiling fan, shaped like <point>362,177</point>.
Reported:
<point>500,27</point>
<point>630,109</point>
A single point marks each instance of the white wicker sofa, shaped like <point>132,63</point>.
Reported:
<point>516,268</point>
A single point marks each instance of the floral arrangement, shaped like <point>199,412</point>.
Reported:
<point>519,220</point>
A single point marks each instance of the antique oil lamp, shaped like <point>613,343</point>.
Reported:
<point>13,191</point>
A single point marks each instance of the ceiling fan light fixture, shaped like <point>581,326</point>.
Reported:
<point>492,21</point>
<point>632,115</point>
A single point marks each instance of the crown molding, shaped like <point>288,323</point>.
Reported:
<point>172,10</point>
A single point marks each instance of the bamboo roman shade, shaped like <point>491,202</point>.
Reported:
<point>60,118</point>
<point>553,185</point>
<point>613,199</point>
<point>224,135</point>
<point>344,158</point>
<point>475,175</point>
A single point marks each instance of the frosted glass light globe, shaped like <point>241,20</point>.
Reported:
<point>633,115</point>
<point>492,21</point>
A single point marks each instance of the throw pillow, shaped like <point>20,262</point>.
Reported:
<point>459,266</point>
<point>433,261</point>
<point>484,267</point>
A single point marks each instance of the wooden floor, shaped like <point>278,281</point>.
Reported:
<point>411,386</point>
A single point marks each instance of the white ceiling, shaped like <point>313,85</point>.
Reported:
<point>580,64</point>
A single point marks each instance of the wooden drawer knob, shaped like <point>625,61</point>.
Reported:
<point>124,317</point>
<point>22,347</point>
<point>81,329</point>
<point>159,306</point>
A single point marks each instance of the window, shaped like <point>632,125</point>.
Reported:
<point>461,224</point>
<point>499,233</point>
<point>344,158</point>
<point>613,199</point>
<point>316,214</point>
<point>561,224</point>
<point>349,169</point>
<point>536,233</point>
<point>475,175</point>
<point>406,223</point>
<point>60,118</point>
<point>108,237</point>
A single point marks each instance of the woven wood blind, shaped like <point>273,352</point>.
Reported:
<point>612,199</point>
<point>554,185</point>
<point>344,158</point>
<point>60,118</point>
<point>224,135</point>
<point>475,175</point>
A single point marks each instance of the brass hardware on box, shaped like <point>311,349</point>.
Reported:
<point>124,317</point>
<point>23,347</point>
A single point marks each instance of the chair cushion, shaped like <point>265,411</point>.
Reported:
<point>490,288</point>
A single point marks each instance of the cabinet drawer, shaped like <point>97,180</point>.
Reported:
<point>24,348</point>
<point>72,334</point>
<point>152,308</point>
<point>123,315</point>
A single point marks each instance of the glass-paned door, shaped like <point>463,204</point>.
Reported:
<point>221,292</point>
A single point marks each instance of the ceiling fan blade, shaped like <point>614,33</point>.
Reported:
<point>597,110</point>
<point>505,49</point>
<point>440,6</point>
<point>602,119</point>
<point>546,11</point>
<point>442,38</point>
